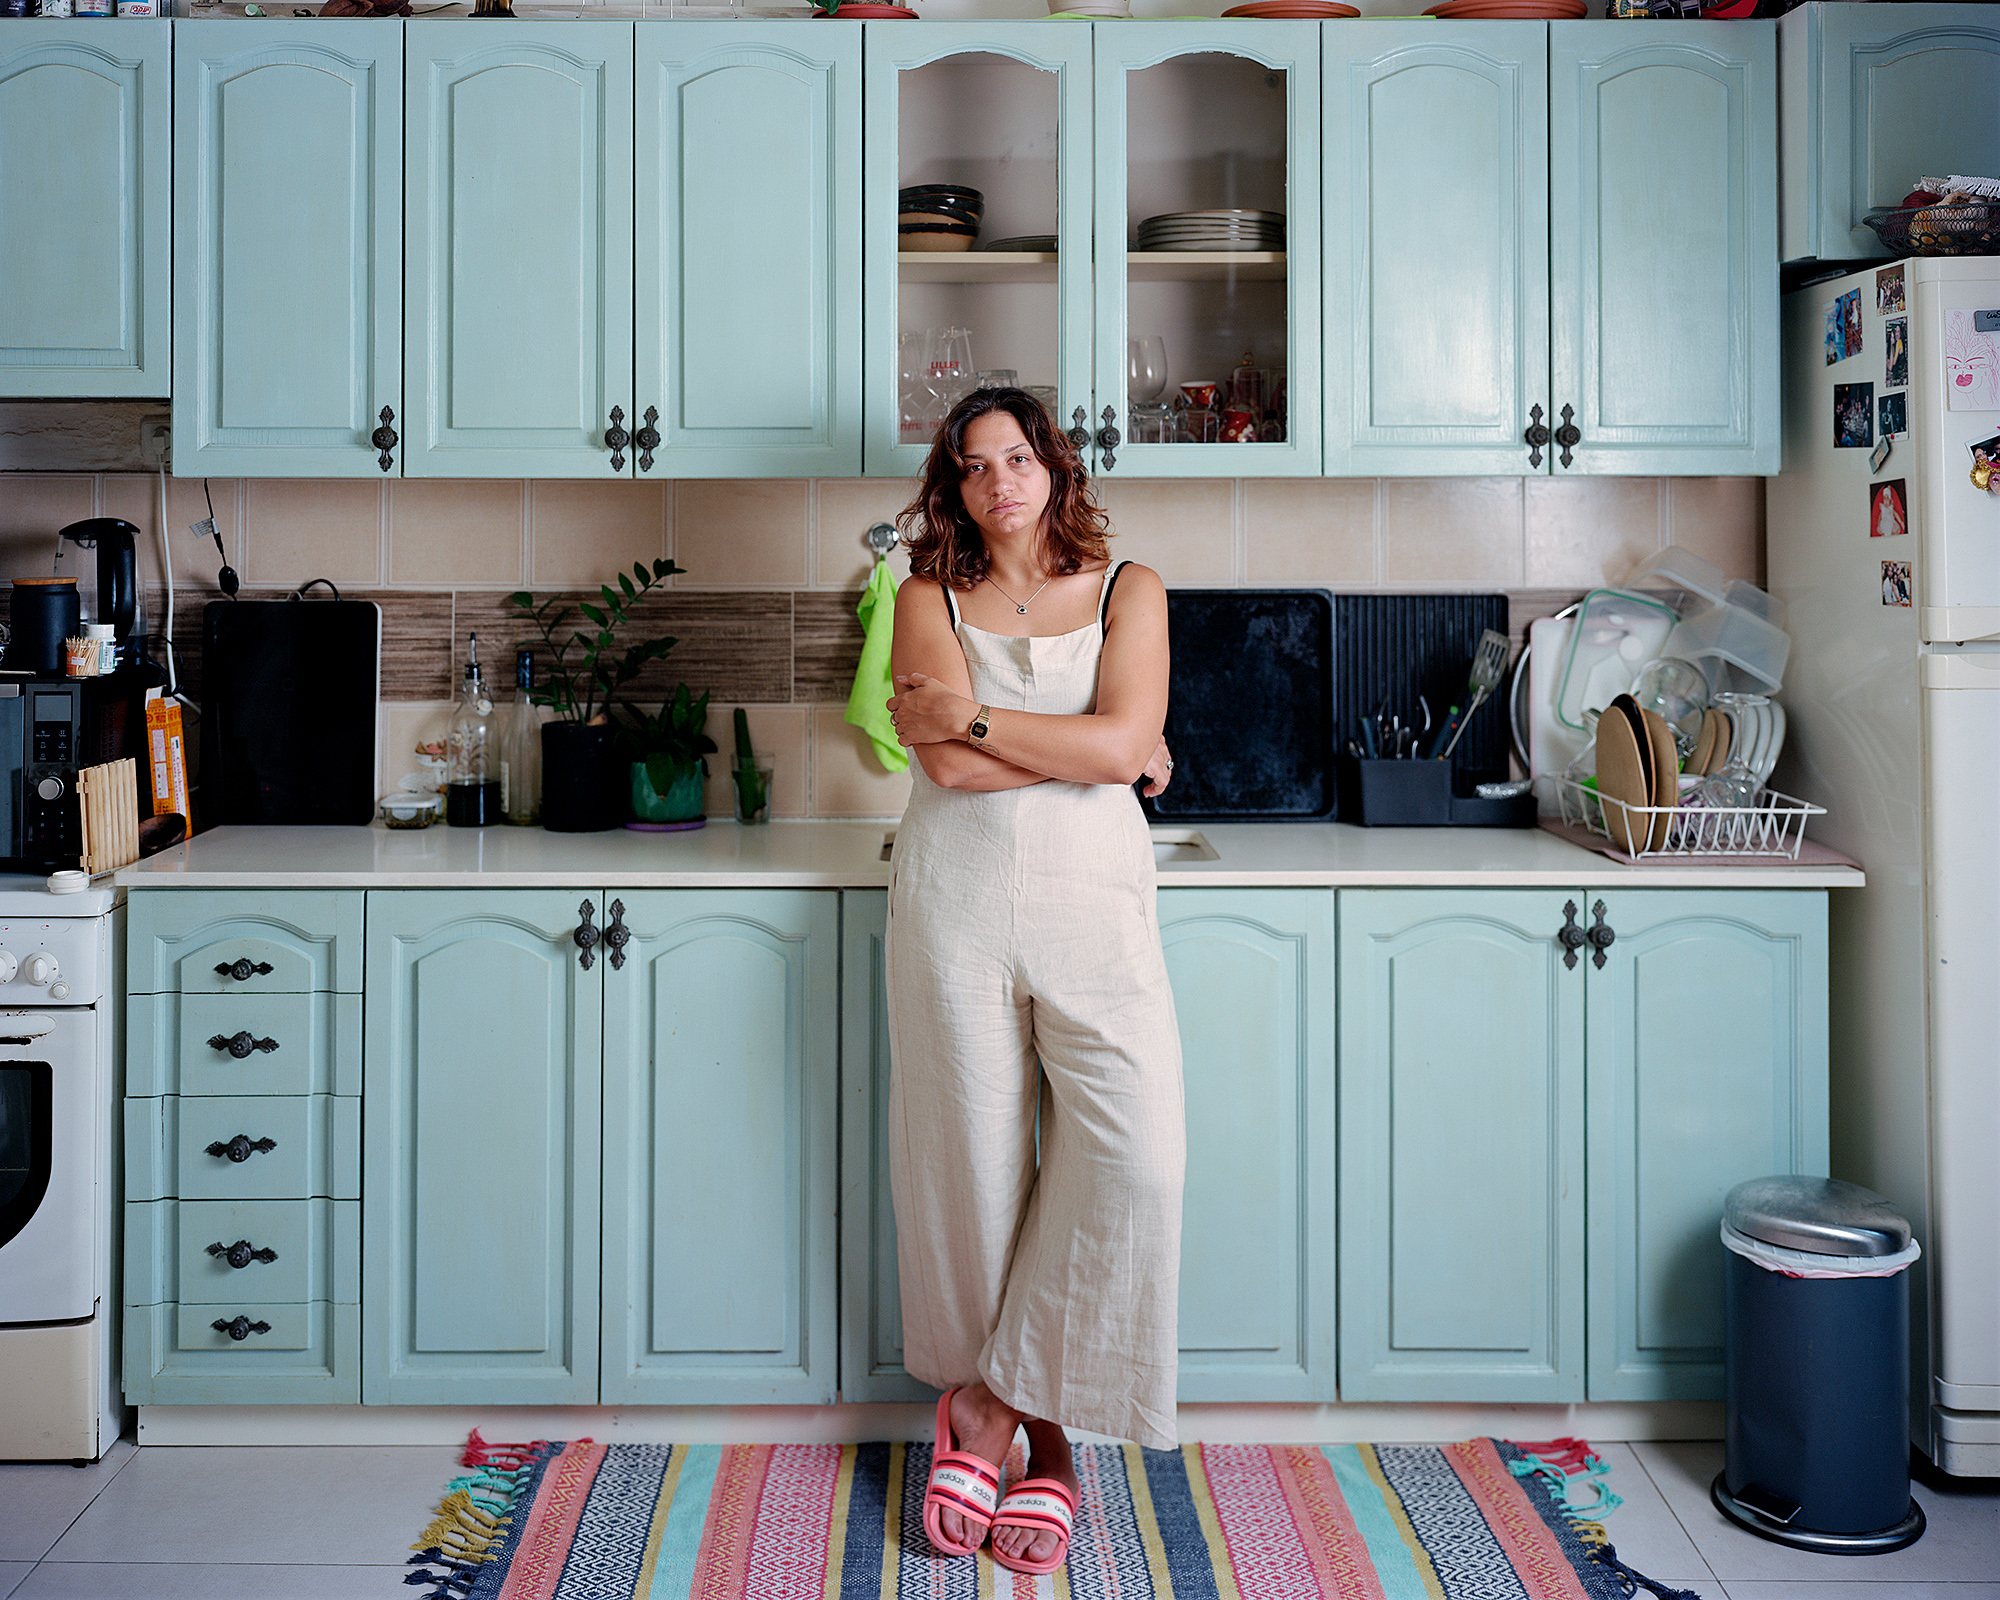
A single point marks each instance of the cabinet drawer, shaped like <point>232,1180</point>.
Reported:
<point>174,1355</point>
<point>198,941</point>
<point>315,1148</point>
<point>296,1044</point>
<point>316,1245</point>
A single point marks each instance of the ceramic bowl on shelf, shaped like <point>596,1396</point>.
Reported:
<point>935,236</point>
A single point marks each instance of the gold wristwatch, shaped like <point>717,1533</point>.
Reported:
<point>976,734</point>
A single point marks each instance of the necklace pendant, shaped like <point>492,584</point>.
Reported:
<point>1022,609</point>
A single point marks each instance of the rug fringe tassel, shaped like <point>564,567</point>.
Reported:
<point>474,1517</point>
<point>1635,1581</point>
<point>1556,1462</point>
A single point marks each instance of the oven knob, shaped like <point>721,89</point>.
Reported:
<point>50,788</point>
<point>8,966</point>
<point>39,968</point>
<point>58,990</point>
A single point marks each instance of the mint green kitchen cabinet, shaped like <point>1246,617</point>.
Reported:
<point>1252,972</point>
<point>242,1260</point>
<point>1533,1152</point>
<point>720,1073</point>
<point>748,231</point>
<point>86,241</point>
<point>482,1120</point>
<point>1874,100</point>
<point>1551,248</point>
<point>289,216</point>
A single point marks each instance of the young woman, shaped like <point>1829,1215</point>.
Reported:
<point>1026,982</point>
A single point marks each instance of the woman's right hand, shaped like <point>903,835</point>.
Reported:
<point>1159,771</point>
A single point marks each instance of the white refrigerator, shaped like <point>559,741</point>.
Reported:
<point>1890,567</point>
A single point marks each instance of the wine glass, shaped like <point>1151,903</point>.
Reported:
<point>1677,691</point>
<point>1145,367</point>
<point>952,372</point>
<point>913,389</point>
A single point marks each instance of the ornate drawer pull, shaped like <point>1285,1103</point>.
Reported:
<point>1569,935</point>
<point>241,1328</point>
<point>242,1147</point>
<point>1536,436</point>
<point>1079,429</point>
<point>617,935</point>
<point>1600,936</point>
<point>243,969</point>
<point>585,937</point>
<point>616,438</point>
<point>384,440</point>
<point>242,1253</point>
<point>647,438</point>
<point>1569,434</point>
<point>240,1045</point>
<point>1108,438</point>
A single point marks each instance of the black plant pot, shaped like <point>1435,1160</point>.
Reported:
<point>583,779</point>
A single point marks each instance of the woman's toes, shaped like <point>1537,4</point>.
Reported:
<point>952,1526</point>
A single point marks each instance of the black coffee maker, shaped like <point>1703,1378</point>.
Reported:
<point>115,542</point>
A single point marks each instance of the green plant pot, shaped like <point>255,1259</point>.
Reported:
<point>681,802</point>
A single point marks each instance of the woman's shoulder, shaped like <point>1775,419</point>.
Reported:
<point>1135,579</point>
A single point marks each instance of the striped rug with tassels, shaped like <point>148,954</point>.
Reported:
<point>1484,1520</point>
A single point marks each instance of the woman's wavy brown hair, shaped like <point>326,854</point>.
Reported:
<point>944,542</point>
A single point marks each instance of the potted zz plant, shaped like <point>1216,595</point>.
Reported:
<point>585,754</point>
<point>666,754</point>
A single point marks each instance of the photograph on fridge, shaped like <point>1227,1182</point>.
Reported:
<point>1893,415</point>
<point>1895,583</point>
<point>1896,353</point>
<point>1853,416</point>
<point>1888,509</point>
<point>1889,289</point>
<point>1972,363</point>
<point>1985,455</point>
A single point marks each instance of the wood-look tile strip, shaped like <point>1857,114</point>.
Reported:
<point>826,645</point>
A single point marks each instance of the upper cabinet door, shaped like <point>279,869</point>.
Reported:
<point>1664,249</point>
<point>1002,108</point>
<point>1212,128</point>
<point>518,250</point>
<point>86,119</point>
<point>1876,98</point>
<point>748,229</point>
<point>1436,246</point>
<point>289,217</point>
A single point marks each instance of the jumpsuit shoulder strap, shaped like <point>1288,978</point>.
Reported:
<point>950,605</point>
<point>1110,582</point>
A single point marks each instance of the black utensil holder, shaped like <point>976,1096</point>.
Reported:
<point>1423,794</point>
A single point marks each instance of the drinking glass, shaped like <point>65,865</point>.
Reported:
<point>1677,691</point>
<point>1145,367</point>
<point>999,378</point>
<point>951,369</point>
<point>1736,784</point>
<point>913,389</point>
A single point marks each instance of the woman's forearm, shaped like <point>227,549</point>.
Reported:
<point>960,766</point>
<point>1091,748</point>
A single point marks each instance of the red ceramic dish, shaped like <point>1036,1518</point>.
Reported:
<point>1299,10</point>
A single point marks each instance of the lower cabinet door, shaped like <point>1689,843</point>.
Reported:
<point>1461,1147</point>
<point>721,1039</point>
<point>1708,1066</point>
<point>483,1036</point>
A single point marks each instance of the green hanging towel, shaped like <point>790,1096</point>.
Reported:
<point>867,702</point>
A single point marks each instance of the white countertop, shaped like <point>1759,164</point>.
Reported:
<point>830,854</point>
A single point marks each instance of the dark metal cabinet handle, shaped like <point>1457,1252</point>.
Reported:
<point>1536,437</point>
<point>242,1253</point>
<point>240,1329</point>
<point>1079,429</point>
<point>617,935</point>
<point>647,438</point>
<point>1600,936</point>
<point>1108,438</point>
<point>616,438</point>
<point>585,937</point>
<point>243,969</point>
<point>240,1045</point>
<point>1569,935</point>
<point>384,440</point>
<point>242,1147</point>
<point>1569,435</point>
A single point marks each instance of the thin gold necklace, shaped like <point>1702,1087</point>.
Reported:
<point>1022,605</point>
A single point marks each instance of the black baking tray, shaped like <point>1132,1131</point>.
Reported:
<point>1250,707</point>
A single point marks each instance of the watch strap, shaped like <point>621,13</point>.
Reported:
<point>976,734</point>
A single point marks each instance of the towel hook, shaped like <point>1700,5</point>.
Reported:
<point>882,538</point>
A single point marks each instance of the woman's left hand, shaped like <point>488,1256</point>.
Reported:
<point>924,711</point>
<point>1159,771</point>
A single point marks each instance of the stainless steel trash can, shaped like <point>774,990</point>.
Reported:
<point>1817,1357</point>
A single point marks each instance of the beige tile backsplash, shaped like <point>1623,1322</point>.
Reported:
<point>777,562</point>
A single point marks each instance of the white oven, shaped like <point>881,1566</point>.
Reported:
<point>59,999</point>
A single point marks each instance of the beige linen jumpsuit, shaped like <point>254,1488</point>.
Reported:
<point>1023,930</point>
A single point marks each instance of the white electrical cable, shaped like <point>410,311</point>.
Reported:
<point>167,569</point>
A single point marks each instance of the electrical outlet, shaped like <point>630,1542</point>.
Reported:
<point>156,441</point>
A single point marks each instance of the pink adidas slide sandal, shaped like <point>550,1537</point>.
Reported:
<point>1044,1505</point>
<point>961,1482</point>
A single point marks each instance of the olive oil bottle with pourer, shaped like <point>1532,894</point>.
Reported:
<point>521,749</point>
<point>472,755</point>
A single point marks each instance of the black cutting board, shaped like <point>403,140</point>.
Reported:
<point>1249,707</point>
<point>288,698</point>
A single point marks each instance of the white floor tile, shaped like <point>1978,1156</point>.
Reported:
<point>1644,1530</point>
<point>11,1574</point>
<point>271,1505</point>
<point>158,1580</point>
<point>1815,1589</point>
<point>40,1499</point>
<point>1961,1544</point>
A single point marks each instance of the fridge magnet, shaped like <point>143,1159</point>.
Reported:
<point>1971,364</point>
<point>1895,583</point>
<point>1879,454</point>
<point>1986,464</point>
<point>1896,353</point>
<point>1893,416</point>
<point>1889,289</point>
<point>1853,416</point>
<point>1888,510</point>
<point>1850,323</point>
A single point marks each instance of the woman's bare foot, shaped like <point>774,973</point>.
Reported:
<point>1048,1457</point>
<point>983,1424</point>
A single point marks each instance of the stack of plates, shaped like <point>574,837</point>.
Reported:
<point>1299,10</point>
<point>1495,10</point>
<point>1035,243</point>
<point>1214,230</point>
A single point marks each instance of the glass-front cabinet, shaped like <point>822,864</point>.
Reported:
<point>1114,217</point>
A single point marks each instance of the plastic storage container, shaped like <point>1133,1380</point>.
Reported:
<point>1817,1358</point>
<point>1733,630</point>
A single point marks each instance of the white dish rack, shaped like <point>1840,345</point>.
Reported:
<point>1774,826</point>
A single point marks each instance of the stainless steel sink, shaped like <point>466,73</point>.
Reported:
<point>1170,845</point>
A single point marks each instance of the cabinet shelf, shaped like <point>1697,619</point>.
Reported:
<point>1141,266</point>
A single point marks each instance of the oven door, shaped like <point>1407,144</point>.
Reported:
<point>49,1185</point>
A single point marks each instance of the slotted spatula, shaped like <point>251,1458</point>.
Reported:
<point>1489,661</point>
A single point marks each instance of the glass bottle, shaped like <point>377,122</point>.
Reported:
<point>472,768</point>
<point>521,750</point>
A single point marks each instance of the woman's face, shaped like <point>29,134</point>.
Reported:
<point>1005,487</point>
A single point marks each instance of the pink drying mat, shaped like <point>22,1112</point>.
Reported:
<point>1811,853</point>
